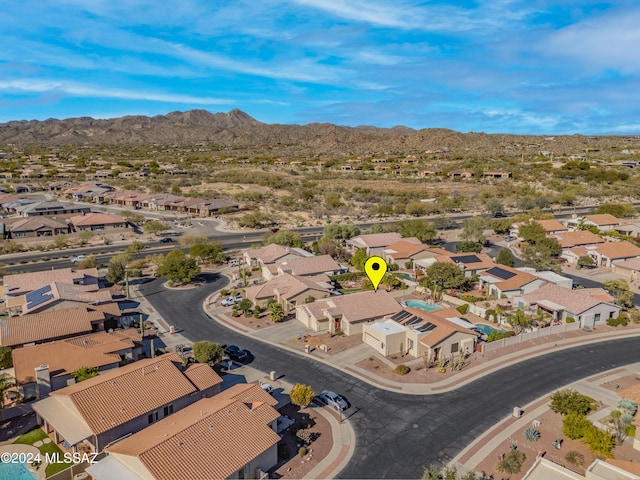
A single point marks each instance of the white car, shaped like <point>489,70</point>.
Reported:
<point>227,302</point>
<point>77,259</point>
<point>333,400</point>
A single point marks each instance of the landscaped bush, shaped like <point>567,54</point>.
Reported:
<point>565,401</point>
<point>575,458</point>
<point>621,320</point>
<point>345,277</point>
<point>402,369</point>
<point>497,335</point>
<point>512,462</point>
<point>532,434</point>
<point>464,308</point>
<point>570,320</point>
<point>302,451</point>
<point>576,426</point>
<point>470,298</point>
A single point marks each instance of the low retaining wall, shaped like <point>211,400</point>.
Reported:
<point>524,337</point>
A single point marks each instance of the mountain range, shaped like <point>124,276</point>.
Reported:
<point>238,129</point>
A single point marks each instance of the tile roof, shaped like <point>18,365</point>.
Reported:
<point>120,395</point>
<point>202,376</point>
<point>514,282</point>
<point>443,327</point>
<point>31,224</point>
<point>286,285</point>
<point>310,265</point>
<point>269,254</point>
<point>355,307</point>
<point>20,283</point>
<point>376,240</point>
<point>405,248</point>
<point>552,225</point>
<point>630,263</point>
<point>94,218</point>
<point>38,327</point>
<point>473,261</point>
<point>599,293</point>
<point>577,238</point>
<point>65,291</point>
<point>603,219</point>
<point>573,301</point>
<point>66,356</point>
<point>212,438</point>
<point>619,250</point>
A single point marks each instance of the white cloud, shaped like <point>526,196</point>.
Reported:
<point>80,90</point>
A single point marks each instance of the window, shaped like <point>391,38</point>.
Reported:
<point>611,314</point>
<point>596,318</point>
<point>153,417</point>
<point>19,234</point>
<point>454,347</point>
<point>168,410</point>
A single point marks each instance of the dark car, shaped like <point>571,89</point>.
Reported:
<point>234,352</point>
<point>166,240</point>
<point>499,215</point>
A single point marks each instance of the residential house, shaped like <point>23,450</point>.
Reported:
<point>550,227</point>
<point>574,243</point>
<point>45,327</point>
<point>610,469</point>
<point>630,268</point>
<point>497,174</point>
<point>420,333</point>
<point>44,207</point>
<point>35,227</point>
<point>604,222</point>
<point>96,412</point>
<point>373,243</point>
<point>288,290</point>
<point>60,185</point>
<point>231,435</point>
<point>471,264</point>
<point>405,250</point>
<point>629,227</point>
<point>461,174</point>
<point>605,254</point>
<point>314,266</point>
<point>90,192</point>
<point>347,312</point>
<point>429,172</point>
<point>99,222</point>
<point>550,277</point>
<point>51,364</point>
<point>272,254</point>
<point>589,307</point>
<point>21,283</point>
<point>502,281</point>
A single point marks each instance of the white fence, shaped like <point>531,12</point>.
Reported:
<point>524,337</point>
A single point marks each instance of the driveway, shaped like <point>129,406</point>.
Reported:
<point>397,435</point>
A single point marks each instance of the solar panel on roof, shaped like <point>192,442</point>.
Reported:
<point>39,296</point>
<point>427,327</point>
<point>467,259</point>
<point>413,321</point>
<point>500,273</point>
<point>401,315</point>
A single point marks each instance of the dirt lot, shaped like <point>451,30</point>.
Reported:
<point>335,344</point>
<point>290,463</point>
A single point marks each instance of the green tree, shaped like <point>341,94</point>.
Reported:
<point>85,373</point>
<point>619,210</point>
<point>599,441</point>
<point>88,262</point>
<point>286,238</point>
<point>421,229</point>
<point>505,257</point>
<point>335,231</point>
<point>620,290</point>
<point>473,229</point>
<point>117,266</point>
<point>7,383</point>
<point>245,306</point>
<point>178,267</point>
<point>359,258</point>
<point>493,206</point>
<point>532,232</point>
<point>276,312</point>
<point>302,395</point>
<point>135,247</point>
<point>206,252</point>
<point>6,360</point>
<point>468,246</point>
<point>154,227</point>
<point>416,209</point>
<point>565,401</point>
<point>519,321</point>
<point>390,281</point>
<point>502,226</point>
<point>585,261</point>
<point>441,275</point>
<point>206,351</point>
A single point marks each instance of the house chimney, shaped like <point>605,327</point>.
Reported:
<point>43,381</point>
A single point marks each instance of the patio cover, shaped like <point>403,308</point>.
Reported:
<point>550,305</point>
<point>109,468</point>
<point>461,322</point>
<point>66,421</point>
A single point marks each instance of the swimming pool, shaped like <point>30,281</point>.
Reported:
<point>420,304</point>
<point>487,329</point>
<point>15,471</point>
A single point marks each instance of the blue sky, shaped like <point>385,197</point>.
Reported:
<point>497,66</point>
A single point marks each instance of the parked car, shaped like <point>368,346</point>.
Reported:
<point>77,259</point>
<point>237,298</point>
<point>510,238</point>
<point>499,215</point>
<point>166,240</point>
<point>333,400</point>
<point>234,352</point>
<point>227,302</point>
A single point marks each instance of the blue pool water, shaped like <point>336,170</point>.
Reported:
<point>420,304</point>
<point>15,471</point>
<point>487,329</point>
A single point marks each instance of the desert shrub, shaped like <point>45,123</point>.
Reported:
<point>570,320</point>
<point>302,451</point>
<point>512,462</point>
<point>497,335</point>
<point>574,458</point>
<point>402,369</point>
<point>575,425</point>
<point>565,401</point>
<point>464,308</point>
<point>621,320</point>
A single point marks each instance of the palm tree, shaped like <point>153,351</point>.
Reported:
<point>276,312</point>
<point>519,321</point>
<point>7,383</point>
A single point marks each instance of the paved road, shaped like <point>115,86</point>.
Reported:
<point>397,435</point>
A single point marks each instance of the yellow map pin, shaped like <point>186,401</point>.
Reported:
<point>375,268</point>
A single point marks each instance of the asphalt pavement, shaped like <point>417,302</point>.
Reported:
<point>398,435</point>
